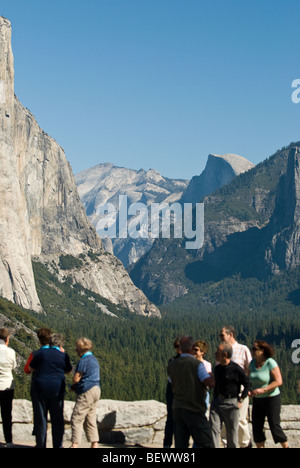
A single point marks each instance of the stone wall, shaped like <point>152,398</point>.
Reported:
<point>290,418</point>
<point>139,422</point>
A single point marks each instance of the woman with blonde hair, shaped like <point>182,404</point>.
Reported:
<point>86,384</point>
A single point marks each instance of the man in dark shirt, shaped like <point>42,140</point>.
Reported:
<point>230,378</point>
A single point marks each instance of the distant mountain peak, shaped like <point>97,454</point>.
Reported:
<point>252,229</point>
<point>219,171</point>
<point>239,164</point>
<point>104,183</point>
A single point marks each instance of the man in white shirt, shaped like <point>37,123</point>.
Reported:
<point>241,356</point>
<point>7,365</point>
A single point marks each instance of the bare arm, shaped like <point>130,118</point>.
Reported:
<point>277,382</point>
<point>77,377</point>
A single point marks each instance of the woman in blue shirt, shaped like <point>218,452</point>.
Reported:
<point>86,384</point>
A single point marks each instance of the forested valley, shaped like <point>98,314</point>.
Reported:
<point>134,351</point>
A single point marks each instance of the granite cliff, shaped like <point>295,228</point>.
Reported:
<point>219,171</point>
<point>283,252</point>
<point>41,215</point>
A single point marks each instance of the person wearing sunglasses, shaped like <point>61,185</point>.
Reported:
<point>266,379</point>
<point>200,350</point>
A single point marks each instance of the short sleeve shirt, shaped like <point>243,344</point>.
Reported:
<point>261,378</point>
<point>241,355</point>
<point>89,367</point>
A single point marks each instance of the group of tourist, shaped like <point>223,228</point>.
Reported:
<point>48,367</point>
<point>237,376</point>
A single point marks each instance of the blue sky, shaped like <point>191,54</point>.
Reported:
<point>159,83</point>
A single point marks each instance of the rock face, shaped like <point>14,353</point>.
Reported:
<point>41,215</point>
<point>284,250</point>
<point>219,171</point>
<point>251,228</point>
<point>17,282</point>
<point>105,183</point>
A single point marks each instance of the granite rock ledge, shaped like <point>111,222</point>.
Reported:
<point>131,423</point>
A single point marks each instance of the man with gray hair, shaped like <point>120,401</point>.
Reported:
<point>230,378</point>
<point>57,341</point>
<point>189,382</point>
